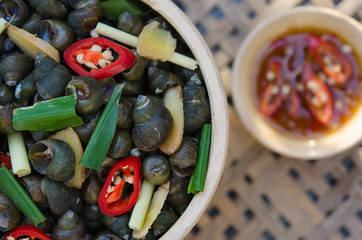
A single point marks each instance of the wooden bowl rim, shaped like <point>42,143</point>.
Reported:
<point>219,115</point>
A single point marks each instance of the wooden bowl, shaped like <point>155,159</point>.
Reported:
<point>348,135</point>
<point>219,115</point>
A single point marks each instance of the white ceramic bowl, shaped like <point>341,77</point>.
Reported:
<point>220,123</point>
<point>300,17</point>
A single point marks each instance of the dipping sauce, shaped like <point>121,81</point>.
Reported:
<point>308,83</point>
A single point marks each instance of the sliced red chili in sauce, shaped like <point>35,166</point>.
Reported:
<point>27,232</point>
<point>318,96</point>
<point>121,188</point>
<point>4,159</point>
<point>98,57</point>
<point>330,59</point>
<point>272,97</point>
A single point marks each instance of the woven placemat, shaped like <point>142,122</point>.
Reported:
<point>263,195</point>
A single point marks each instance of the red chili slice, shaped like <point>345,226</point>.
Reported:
<point>318,96</point>
<point>123,61</point>
<point>111,200</point>
<point>27,232</point>
<point>271,98</point>
<point>330,59</point>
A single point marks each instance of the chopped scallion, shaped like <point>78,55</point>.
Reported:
<point>13,190</point>
<point>112,8</point>
<point>102,136</point>
<point>51,115</point>
<point>197,180</point>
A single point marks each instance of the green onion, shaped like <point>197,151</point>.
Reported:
<point>140,209</point>
<point>51,115</point>
<point>112,8</point>
<point>18,154</point>
<point>13,190</point>
<point>102,136</point>
<point>197,180</point>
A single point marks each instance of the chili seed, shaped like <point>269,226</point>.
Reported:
<point>346,48</point>
<point>270,75</point>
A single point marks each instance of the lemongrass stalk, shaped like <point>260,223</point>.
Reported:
<point>18,154</point>
<point>3,23</point>
<point>158,199</point>
<point>141,207</point>
<point>130,40</point>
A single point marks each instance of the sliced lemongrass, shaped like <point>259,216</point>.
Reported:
<point>13,190</point>
<point>3,23</point>
<point>30,44</point>
<point>18,154</point>
<point>154,209</point>
<point>51,115</point>
<point>130,40</point>
<point>141,207</point>
<point>173,102</point>
<point>102,136</point>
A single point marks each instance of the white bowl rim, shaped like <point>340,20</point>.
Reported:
<point>219,115</point>
<point>303,149</point>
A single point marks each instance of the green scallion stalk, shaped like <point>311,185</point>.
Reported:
<point>13,190</point>
<point>140,209</point>
<point>51,115</point>
<point>112,8</point>
<point>197,180</point>
<point>102,136</point>
<point>18,154</point>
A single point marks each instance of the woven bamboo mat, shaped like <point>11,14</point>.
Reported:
<point>263,195</point>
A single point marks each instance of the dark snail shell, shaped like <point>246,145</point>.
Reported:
<point>57,194</point>
<point>177,197</point>
<point>15,67</point>
<point>121,144</point>
<point>164,221</point>
<point>6,118</point>
<point>137,70</point>
<point>130,23</point>
<point>15,10</point>
<point>153,124</point>
<point>84,19</point>
<point>156,169</point>
<point>6,46</point>
<point>69,227</point>
<point>43,66</point>
<point>125,111</point>
<point>186,154</point>
<point>196,104</point>
<point>108,85</point>
<point>107,164</point>
<point>31,184</point>
<point>76,4</point>
<point>49,9</point>
<point>10,216</point>
<point>53,157</point>
<point>159,80</point>
<point>88,93</point>
<point>107,235</point>
<point>26,88</point>
<point>46,226</point>
<point>32,22</point>
<point>53,84</point>
<point>85,131</point>
<point>6,94</point>
<point>118,224</point>
<point>76,200</point>
<point>133,87</point>
<point>56,32</point>
<point>91,215</point>
<point>91,189</point>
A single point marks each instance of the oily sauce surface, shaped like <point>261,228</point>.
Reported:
<point>293,96</point>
